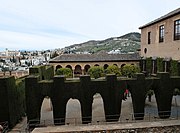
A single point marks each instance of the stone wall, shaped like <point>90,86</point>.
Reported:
<point>169,48</point>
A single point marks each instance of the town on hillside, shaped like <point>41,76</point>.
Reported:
<point>18,62</point>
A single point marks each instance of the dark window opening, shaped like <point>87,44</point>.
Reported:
<point>161,33</point>
<point>69,66</point>
<point>122,65</point>
<point>149,37</point>
<point>145,50</point>
<point>106,66</point>
<point>86,68</point>
<point>177,29</point>
<point>58,66</point>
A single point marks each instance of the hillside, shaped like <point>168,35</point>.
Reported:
<point>128,43</point>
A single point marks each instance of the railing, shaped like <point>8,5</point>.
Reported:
<point>148,117</point>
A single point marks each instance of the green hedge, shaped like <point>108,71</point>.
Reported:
<point>160,64</point>
<point>20,88</point>
<point>65,71</point>
<point>12,98</point>
<point>174,67</point>
<point>45,72</point>
<point>149,65</point>
<point>49,72</point>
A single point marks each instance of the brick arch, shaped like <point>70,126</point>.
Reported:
<point>122,65</point>
<point>96,65</point>
<point>86,68</point>
<point>78,70</point>
<point>58,66</point>
<point>69,66</point>
<point>115,65</point>
<point>105,66</point>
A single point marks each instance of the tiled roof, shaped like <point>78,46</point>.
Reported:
<point>170,14</point>
<point>95,57</point>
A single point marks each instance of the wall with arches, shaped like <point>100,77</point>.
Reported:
<point>81,68</point>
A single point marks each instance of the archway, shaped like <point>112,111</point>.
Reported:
<point>73,112</point>
<point>175,107</point>
<point>77,71</point>
<point>106,66</point>
<point>150,104</point>
<point>69,66</point>
<point>98,113</point>
<point>46,112</point>
<point>58,66</point>
<point>122,65</point>
<point>115,65</point>
<point>86,68</point>
<point>96,65</point>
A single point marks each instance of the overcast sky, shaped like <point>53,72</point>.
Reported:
<point>49,24</point>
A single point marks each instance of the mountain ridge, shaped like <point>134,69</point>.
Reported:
<point>123,44</point>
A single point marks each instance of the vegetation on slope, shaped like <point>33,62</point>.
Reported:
<point>128,43</point>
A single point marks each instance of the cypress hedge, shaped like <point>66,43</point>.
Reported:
<point>12,99</point>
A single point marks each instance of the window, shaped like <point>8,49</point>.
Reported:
<point>161,33</point>
<point>149,37</point>
<point>177,29</point>
<point>145,50</point>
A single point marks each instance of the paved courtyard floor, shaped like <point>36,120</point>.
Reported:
<point>73,112</point>
<point>104,128</point>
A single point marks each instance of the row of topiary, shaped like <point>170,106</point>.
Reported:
<point>127,71</point>
<point>98,71</point>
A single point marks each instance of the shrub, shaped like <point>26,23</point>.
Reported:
<point>67,72</point>
<point>129,70</point>
<point>96,72</point>
<point>113,70</point>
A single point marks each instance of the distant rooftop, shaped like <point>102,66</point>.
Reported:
<point>170,14</point>
<point>95,58</point>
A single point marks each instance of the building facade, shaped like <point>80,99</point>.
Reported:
<point>80,63</point>
<point>161,37</point>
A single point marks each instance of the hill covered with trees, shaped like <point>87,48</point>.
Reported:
<point>128,43</point>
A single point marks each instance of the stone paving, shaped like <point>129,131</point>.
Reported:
<point>160,126</point>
